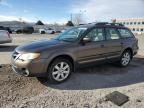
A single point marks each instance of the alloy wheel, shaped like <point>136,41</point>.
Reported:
<point>61,71</point>
<point>125,59</point>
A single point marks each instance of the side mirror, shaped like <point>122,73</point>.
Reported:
<point>86,40</point>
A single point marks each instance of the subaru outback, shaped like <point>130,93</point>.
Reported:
<point>57,58</point>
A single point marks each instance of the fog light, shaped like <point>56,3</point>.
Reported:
<point>25,72</point>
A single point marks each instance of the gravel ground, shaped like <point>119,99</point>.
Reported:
<point>86,88</point>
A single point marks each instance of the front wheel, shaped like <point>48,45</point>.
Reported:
<point>60,70</point>
<point>125,58</point>
<point>52,32</point>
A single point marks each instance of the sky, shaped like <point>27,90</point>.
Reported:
<point>59,11</point>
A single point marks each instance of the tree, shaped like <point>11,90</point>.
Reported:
<point>113,20</point>
<point>78,19</point>
<point>39,23</point>
<point>69,23</point>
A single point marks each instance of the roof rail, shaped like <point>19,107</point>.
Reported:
<point>98,23</point>
<point>112,24</point>
<point>104,23</point>
<point>101,23</point>
<point>117,24</point>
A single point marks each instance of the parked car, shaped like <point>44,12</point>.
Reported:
<point>27,29</point>
<point>49,31</point>
<point>57,58</point>
<point>6,28</point>
<point>5,37</point>
<point>18,31</point>
<point>2,28</point>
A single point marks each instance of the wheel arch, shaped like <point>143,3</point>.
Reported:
<point>129,49</point>
<point>63,56</point>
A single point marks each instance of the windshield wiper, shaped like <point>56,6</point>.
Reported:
<point>68,39</point>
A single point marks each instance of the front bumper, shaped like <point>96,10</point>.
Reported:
<point>31,68</point>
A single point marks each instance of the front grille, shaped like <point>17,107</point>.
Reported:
<point>15,54</point>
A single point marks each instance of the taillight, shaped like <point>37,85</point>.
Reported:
<point>8,34</point>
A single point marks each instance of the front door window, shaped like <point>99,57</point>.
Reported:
<point>96,35</point>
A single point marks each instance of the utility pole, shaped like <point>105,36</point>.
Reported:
<point>71,17</point>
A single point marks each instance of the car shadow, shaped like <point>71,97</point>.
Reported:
<point>7,48</point>
<point>103,76</point>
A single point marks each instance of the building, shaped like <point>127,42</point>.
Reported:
<point>135,24</point>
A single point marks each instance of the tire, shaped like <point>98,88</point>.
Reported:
<point>53,32</point>
<point>56,74</point>
<point>42,32</point>
<point>125,58</point>
<point>18,32</point>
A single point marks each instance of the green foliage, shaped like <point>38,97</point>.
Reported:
<point>39,23</point>
<point>69,23</point>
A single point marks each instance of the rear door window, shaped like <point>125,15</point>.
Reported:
<point>112,34</point>
<point>125,33</point>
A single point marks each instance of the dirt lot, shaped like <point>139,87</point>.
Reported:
<point>86,88</point>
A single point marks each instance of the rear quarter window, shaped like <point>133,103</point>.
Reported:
<point>125,33</point>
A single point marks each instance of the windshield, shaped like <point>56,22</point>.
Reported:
<point>71,34</point>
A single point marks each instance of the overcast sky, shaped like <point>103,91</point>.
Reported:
<point>50,11</point>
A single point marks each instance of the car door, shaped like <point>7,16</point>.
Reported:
<point>49,30</point>
<point>113,43</point>
<point>3,36</point>
<point>94,49</point>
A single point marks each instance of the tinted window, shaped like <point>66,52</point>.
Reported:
<point>111,34</point>
<point>125,33</point>
<point>96,34</point>
<point>49,29</point>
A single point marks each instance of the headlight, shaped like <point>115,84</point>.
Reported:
<point>29,56</point>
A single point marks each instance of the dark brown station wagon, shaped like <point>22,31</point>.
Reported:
<point>57,58</point>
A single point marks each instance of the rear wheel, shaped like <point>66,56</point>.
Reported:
<point>125,58</point>
<point>60,70</point>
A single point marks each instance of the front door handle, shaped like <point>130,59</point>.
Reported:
<point>102,46</point>
<point>121,43</point>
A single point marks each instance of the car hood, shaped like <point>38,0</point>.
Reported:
<point>40,45</point>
